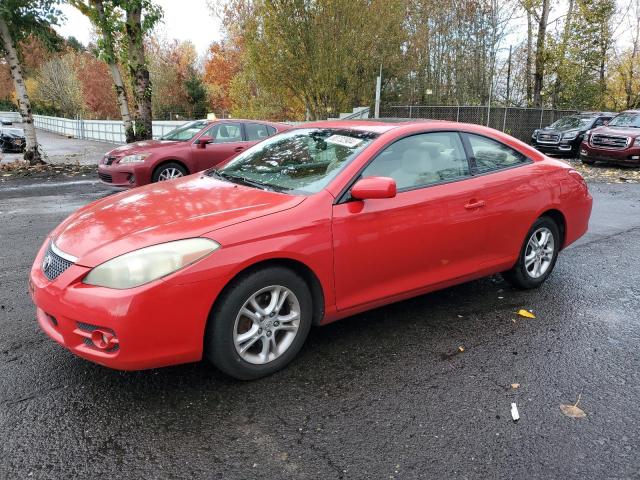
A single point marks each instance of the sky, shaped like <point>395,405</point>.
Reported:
<point>183,19</point>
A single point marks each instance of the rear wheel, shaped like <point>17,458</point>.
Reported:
<point>168,171</point>
<point>538,255</point>
<point>259,323</point>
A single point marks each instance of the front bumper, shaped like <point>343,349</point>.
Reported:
<point>158,324</point>
<point>127,176</point>
<point>629,156</point>
<point>556,148</point>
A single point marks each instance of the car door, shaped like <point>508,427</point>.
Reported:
<point>513,188</point>
<point>228,141</point>
<point>429,233</point>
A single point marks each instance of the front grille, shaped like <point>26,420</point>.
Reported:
<point>609,141</point>
<point>548,137</point>
<point>105,177</point>
<point>53,265</point>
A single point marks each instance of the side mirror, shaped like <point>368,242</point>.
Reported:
<point>204,140</point>
<point>605,123</point>
<point>374,187</point>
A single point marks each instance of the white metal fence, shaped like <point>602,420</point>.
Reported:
<point>110,131</point>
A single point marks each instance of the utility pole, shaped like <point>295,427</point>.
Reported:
<point>506,103</point>
<point>378,89</point>
<point>509,76</point>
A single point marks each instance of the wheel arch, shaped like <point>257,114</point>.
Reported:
<point>558,217</point>
<point>307,274</point>
<point>169,160</point>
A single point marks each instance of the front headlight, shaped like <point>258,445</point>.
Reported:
<point>535,134</point>
<point>570,135</point>
<point>137,158</point>
<point>637,142</point>
<point>150,263</point>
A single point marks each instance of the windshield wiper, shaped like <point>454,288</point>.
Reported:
<point>244,180</point>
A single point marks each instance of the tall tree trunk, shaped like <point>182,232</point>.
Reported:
<point>118,84</point>
<point>529,61</point>
<point>31,153</point>
<point>630,100</point>
<point>139,74</point>
<point>538,77</point>
<point>561,53</point>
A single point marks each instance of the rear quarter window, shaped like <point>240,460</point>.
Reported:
<point>491,155</point>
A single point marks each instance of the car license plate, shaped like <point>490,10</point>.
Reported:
<point>18,142</point>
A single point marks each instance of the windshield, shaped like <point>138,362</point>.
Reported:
<point>13,131</point>
<point>626,120</point>
<point>185,132</point>
<point>297,161</point>
<point>572,122</point>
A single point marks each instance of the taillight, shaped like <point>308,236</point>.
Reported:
<point>577,176</point>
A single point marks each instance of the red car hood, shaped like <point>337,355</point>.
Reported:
<point>619,131</point>
<point>141,147</point>
<point>162,212</point>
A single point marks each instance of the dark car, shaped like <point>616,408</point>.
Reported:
<point>618,142</point>
<point>12,140</point>
<point>190,148</point>
<point>564,136</point>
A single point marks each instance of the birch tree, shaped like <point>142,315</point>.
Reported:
<point>18,20</point>
<point>123,25</point>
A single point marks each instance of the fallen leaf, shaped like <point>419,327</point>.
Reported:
<point>461,348</point>
<point>515,385</point>
<point>526,313</point>
<point>572,410</point>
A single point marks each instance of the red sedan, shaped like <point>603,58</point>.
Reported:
<point>190,148</point>
<point>307,227</point>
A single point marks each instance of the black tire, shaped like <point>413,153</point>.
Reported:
<point>165,167</point>
<point>219,338</point>
<point>519,276</point>
<point>587,161</point>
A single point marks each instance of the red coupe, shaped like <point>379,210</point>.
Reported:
<point>309,226</point>
<point>190,148</point>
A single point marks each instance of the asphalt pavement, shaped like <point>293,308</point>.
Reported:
<point>384,394</point>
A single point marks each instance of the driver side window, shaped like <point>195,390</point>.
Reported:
<point>422,160</point>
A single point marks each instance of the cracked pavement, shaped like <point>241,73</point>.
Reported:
<point>384,394</point>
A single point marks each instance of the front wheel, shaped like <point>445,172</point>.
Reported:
<point>538,255</point>
<point>259,323</point>
<point>168,171</point>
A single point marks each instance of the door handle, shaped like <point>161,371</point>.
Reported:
<point>473,204</point>
<point>238,149</point>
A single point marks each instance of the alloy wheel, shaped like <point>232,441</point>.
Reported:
<point>539,252</point>
<point>266,325</point>
<point>169,173</point>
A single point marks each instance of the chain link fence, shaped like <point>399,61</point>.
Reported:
<point>517,122</point>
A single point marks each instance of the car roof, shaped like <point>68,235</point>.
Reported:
<point>248,120</point>
<point>379,126</point>
<point>593,114</point>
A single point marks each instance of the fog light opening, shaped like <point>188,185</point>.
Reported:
<point>103,340</point>
<point>132,179</point>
